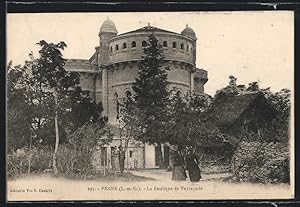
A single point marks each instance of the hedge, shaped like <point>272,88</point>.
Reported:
<point>261,162</point>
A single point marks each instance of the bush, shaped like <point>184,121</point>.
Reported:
<point>18,161</point>
<point>261,162</point>
<point>215,159</point>
<point>70,161</point>
<point>75,161</point>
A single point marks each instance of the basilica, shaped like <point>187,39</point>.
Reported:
<point>111,70</point>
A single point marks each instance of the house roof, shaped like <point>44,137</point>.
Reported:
<point>226,110</point>
<point>148,29</point>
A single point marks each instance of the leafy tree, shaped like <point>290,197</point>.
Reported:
<point>151,95</point>
<point>90,135</point>
<point>278,129</point>
<point>18,111</point>
<point>43,96</point>
<point>81,109</point>
<point>187,125</point>
<point>129,126</point>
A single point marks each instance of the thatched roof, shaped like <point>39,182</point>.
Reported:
<point>226,110</point>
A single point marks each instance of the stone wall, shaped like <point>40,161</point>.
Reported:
<point>134,53</point>
<point>121,76</point>
<point>199,79</point>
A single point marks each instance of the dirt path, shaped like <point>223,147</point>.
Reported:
<point>163,175</point>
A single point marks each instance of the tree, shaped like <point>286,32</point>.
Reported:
<point>82,109</point>
<point>278,129</point>
<point>52,76</point>
<point>33,115</point>
<point>151,95</point>
<point>187,125</point>
<point>18,111</point>
<point>129,126</point>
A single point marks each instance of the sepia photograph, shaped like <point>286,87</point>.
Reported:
<point>150,106</point>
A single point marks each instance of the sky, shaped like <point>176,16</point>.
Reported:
<point>251,45</point>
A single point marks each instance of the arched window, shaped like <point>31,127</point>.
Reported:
<point>133,44</point>
<point>182,46</point>
<point>128,94</point>
<point>111,49</point>
<point>124,45</point>
<point>174,44</point>
<point>144,43</point>
<point>165,44</point>
<point>187,48</point>
<point>117,47</point>
<point>191,49</point>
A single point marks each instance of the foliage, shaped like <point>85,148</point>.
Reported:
<point>17,161</point>
<point>30,99</point>
<point>83,143</point>
<point>151,93</point>
<point>70,161</point>
<point>18,111</point>
<point>91,135</point>
<point>275,130</point>
<point>81,109</point>
<point>48,100</point>
<point>128,121</point>
<point>187,126</point>
<point>261,162</point>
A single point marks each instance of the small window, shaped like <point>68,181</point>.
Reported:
<point>174,45</point>
<point>111,49</point>
<point>187,48</point>
<point>191,49</point>
<point>117,47</point>
<point>165,44</point>
<point>124,45</point>
<point>182,46</point>
<point>133,44</point>
<point>144,43</point>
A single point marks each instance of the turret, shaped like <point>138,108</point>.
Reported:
<point>189,32</point>
<point>107,31</point>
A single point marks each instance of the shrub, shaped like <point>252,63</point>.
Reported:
<point>70,161</point>
<point>75,161</point>
<point>261,162</point>
<point>18,161</point>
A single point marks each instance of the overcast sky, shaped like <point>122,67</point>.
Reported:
<point>252,46</point>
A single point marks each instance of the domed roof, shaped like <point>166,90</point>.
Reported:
<point>188,32</point>
<point>108,26</point>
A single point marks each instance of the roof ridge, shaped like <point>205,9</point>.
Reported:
<point>148,28</point>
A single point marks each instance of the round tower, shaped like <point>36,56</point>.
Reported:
<point>189,32</point>
<point>107,31</point>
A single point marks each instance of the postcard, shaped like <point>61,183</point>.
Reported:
<point>150,106</point>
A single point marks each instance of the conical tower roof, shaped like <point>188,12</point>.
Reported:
<point>108,26</point>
